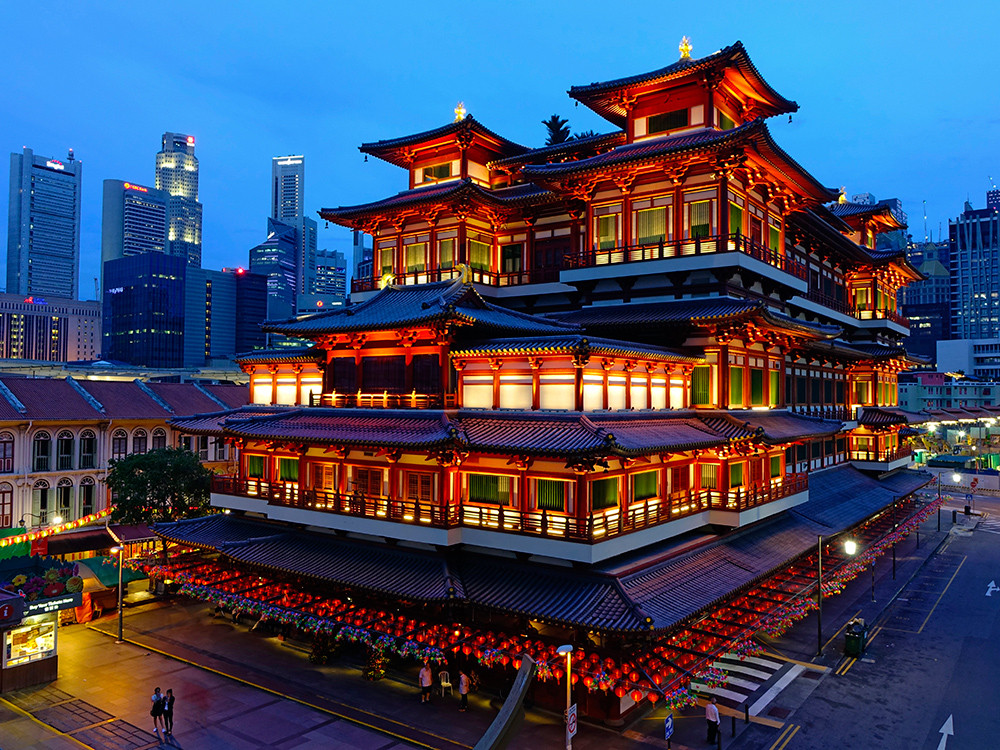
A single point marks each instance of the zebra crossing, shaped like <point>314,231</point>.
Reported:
<point>746,679</point>
<point>990,524</point>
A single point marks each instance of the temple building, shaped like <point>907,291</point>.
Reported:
<point>574,369</point>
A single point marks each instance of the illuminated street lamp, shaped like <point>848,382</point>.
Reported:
<point>850,548</point>
<point>121,551</point>
<point>56,520</point>
<point>568,652</point>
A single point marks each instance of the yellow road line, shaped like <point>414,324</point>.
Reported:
<point>787,735</point>
<point>51,728</point>
<point>767,722</point>
<point>875,632</point>
<point>323,709</point>
<point>842,669</point>
<point>790,660</point>
<point>841,629</point>
<point>964,558</point>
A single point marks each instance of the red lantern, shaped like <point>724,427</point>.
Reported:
<point>588,681</point>
<point>517,663</point>
<point>636,695</point>
<point>619,692</point>
<point>559,674</point>
<point>575,678</point>
<point>653,696</point>
<point>505,660</point>
<point>657,678</point>
<point>466,649</point>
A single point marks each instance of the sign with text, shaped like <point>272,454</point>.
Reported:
<point>51,605</point>
<point>11,610</point>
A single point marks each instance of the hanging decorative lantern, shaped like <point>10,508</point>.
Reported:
<point>619,692</point>
<point>636,695</point>
<point>653,696</point>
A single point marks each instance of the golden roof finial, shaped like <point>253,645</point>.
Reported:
<point>460,112</point>
<point>842,198</point>
<point>685,48</point>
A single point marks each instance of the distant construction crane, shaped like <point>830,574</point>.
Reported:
<point>97,289</point>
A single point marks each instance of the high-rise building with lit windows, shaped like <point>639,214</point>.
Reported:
<point>288,187</point>
<point>177,175</point>
<point>43,225</point>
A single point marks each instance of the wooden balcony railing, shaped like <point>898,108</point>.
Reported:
<point>479,276</point>
<point>726,243</point>
<point>892,315</point>
<point>383,400</point>
<point>884,456</point>
<point>828,411</point>
<point>596,527</point>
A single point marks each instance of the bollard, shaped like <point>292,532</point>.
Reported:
<point>733,717</point>
<point>746,713</point>
<point>954,516</point>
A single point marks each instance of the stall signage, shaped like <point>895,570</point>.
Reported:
<point>11,610</point>
<point>56,603</point>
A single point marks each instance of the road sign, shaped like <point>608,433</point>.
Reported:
<point>571,722</point>
<point>974,483</point>
<point>991,588</point>
<point>668,726</point>
<point>968,497</point>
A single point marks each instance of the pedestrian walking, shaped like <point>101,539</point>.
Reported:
<point>157,710</point>
<point>463,690</point>
<point>426,680</point>
<point>168,712</point>
<point>712,719</point>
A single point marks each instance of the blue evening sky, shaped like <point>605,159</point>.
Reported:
<point>895,98</point>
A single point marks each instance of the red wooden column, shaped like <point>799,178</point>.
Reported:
<point>495,365</point>
<point>606,365</point>
<point>273,370</point>
<point>297,369</point>
<point>582,501</point>
<point>579,363</point>
<point>535,364</point>
<point>724,376</point>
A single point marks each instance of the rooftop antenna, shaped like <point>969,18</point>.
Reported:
<point>927,237</point>
<point>97,289</point>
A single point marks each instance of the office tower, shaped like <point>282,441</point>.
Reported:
<point>974,247</point>
<point>177,175</point>
<point>275,259</point>
<point>927,303</point>
<point>49,329</point>
<point>162,312</point>
<point>43,225</point>
<point>331,273</point>
<point>133,220</point>
<point>288,186</point>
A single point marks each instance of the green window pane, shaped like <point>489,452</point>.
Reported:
<point>667,121</point>
<point>437,172</point>
<point>774,238</point>
<point>288,469</point>
<point>489,488</point>
<point>709,476</point>
<point>700,218</point>
<point>644,485</point>
<point>775,466</point>
<point>701,386</point>
<point>604,493</point>
<point>651,226</point>
<point>415,260</point>
<point>446,251</point>
<point>479,255</point>
<point>736,475</point>
<point>550,494</point>
<point>255,467</point>
<point>736,385</point>
<point>607,232</point>
<point>735,218</point>
<point>726,122</point>
<point>510,258</point>
<point>385,260</point>
<point>773,390</point>
<point>756,387</point>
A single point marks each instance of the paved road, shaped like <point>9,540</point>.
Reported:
<point>932,663</point>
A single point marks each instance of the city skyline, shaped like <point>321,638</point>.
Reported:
<point>244,108</point>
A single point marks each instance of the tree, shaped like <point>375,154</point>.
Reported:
<point>162,485</point>
<point>558,130</point>
<point>585,134</point>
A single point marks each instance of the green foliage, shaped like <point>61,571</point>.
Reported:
<point>162,485</point>
<point>585,134</point>
<point>558,129</point>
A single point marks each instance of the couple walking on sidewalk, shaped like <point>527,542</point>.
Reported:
<point>162,711</point>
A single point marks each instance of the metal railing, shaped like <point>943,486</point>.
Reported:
<point>597,526</point>
<point>892,315</point>
<point>715,244</point>
<point>383,400</point>
<point>828,411</point>
<point>479,276</point>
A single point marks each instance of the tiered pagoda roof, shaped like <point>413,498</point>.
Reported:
<point>885,416</point>
<point>454,301</point>
<point>539,433</point>
<point>609,98</point>
<point>399,151</point>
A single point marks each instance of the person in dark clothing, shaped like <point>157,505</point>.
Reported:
<point>168,712</point>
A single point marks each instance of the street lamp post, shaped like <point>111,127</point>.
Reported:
<point>850,548</point>
<point>894,537</point>
<point>121,552</point>
<point>567,651</point>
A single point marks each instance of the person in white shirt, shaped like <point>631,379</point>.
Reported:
<point>463,690</point>
<point>712,718</point>
<point>426,680</point>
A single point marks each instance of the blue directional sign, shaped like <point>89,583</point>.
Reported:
<point>668,727</point>
<point>968,498</point>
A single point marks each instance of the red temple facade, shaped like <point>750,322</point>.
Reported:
<point>588,350</point>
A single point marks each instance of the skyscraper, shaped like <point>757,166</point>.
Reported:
<point>288,187</point>
<point>974,249</point>
<point>177,174</point>
<point>133,220</point>
<point>331,273</point>
<point>275,258</point>
<point>43,225</point>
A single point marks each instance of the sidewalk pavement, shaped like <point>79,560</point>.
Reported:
<point>241,689</point>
